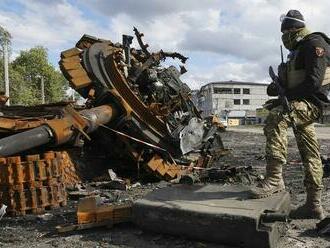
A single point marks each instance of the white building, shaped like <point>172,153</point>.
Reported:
<point>232,99</point>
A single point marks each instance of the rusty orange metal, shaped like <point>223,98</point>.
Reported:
<point>62,129</point>
<point>35,183</point>
<point>91,210</point>
<point>15,124</point>
<point>163,168</point>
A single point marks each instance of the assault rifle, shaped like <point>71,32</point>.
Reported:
<point>282,97</point>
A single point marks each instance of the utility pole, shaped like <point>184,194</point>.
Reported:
<point>5,65</point>
<point>5,41</point>
<point>42,88</point>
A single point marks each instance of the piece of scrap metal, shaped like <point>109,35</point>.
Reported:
<point>3,211</point>
<point>92,212</point>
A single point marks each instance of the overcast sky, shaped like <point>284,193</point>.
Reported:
<point>224,39</point>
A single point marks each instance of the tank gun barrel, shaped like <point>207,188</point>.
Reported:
<point>58,131</point>
<point>26,140</point>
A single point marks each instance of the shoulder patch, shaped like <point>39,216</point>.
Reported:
<point>319,51</point>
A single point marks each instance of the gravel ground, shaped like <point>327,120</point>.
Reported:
<point>247,146</point>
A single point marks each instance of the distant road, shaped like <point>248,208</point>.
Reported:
<point>321,131</point>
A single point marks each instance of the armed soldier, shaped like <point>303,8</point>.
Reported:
<point>302,78</point>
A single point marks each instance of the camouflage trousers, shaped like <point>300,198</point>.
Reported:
<point>275,130</point>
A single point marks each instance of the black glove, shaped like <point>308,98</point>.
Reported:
<point>272,89</point>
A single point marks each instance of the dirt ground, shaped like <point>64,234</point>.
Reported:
<point>247,145</point>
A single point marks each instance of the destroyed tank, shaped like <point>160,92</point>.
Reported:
<point>136,109</point>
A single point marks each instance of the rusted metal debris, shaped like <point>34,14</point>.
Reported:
<point>66,127</point>
<point>92,212</point>
<point>71,176</point>
<point>152,103</point>
<point>136,109</point>
<point>34,184</point>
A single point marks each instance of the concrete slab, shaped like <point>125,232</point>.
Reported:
<point>215,213</point>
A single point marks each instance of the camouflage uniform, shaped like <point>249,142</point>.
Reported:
<point>304,114</point>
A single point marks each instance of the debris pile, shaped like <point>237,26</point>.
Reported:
<point>136,110</point>
<point>155,118</point>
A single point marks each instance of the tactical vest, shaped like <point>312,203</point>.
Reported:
<point>296,77</point>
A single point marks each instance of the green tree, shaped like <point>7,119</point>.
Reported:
<point>20,92</point>
<point>25,74</point>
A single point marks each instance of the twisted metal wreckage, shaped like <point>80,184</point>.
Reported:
<point>129,93</point>
<point>135,108</point>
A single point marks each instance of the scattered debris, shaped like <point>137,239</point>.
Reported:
<point>114,184</point>
<point>78,194</point>
<point>110,181</point>
<point>135,185</point>
<point>163,168</point>
<point>93,209</point>
<point>189,179</point>
<point>231,174</point>
<point>2,210</point>
<point>93,212</point>
<point>45,217</point>
<point>112,174</point>
<point>240,174</point>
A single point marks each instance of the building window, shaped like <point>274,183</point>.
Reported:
<point>237,101</point>
<point>222,90</point>
<point>246,91</point>
<point>237,91</point>
<point>246,101</point>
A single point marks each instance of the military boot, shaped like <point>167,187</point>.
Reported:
<point>273,182</point>
<point>312,209</point>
